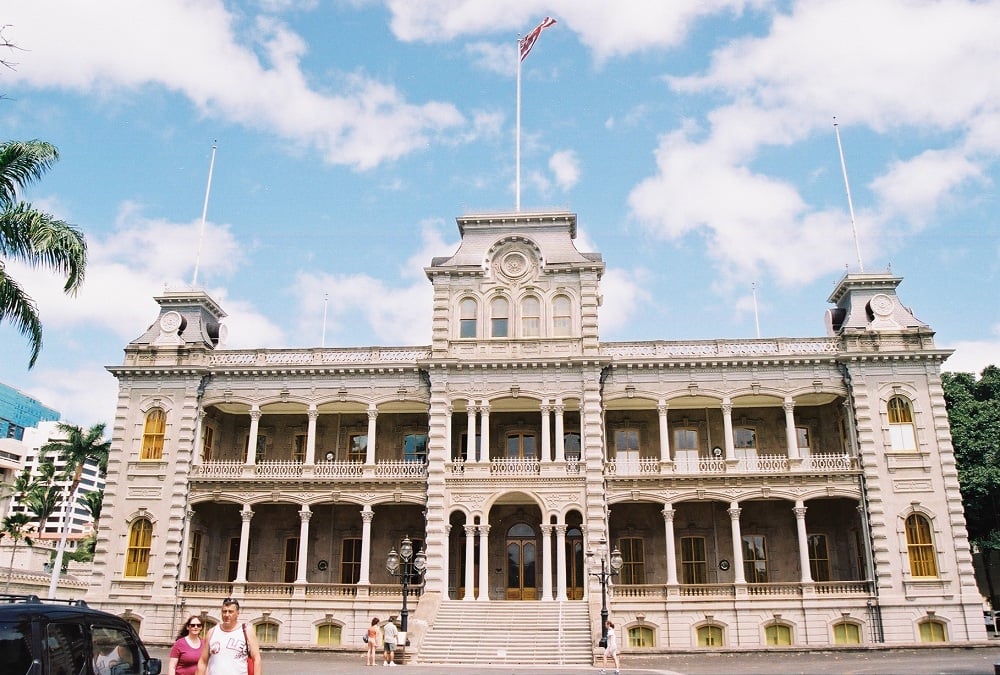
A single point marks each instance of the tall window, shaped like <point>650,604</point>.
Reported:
<point>260,452</point>
<point>562,316</point>
<point>802,439</point>
<point>415,447</point>
<point>194,568</point>
<point>627,445</point>
<point>266,632</point>
<point>291,559</point>
<point>464,447</point>
<point>350,561</point>
<point>640,637</point>
<point>633,561</point>
<point>357,447</point>
<point>846,633</point>
<point>778,634</point>
<point>755,558</point>
<point>521,445</point>
<point>710,636</point>
<point>328,635</point>
<point>233,565</point>
<point>901,431</point>
<point>140,540</point>
<point>819,558</point>
<point>207,443</point>
<point>152,434</point>
<point>694,566</point>
<point>745,441</point>
<point>499,315</point>
<point>920,546</point>
<point>299,447</point>
<point>686,446</point>
<point>571,445</point>
<point>530,317</point>
<point>467,323</point>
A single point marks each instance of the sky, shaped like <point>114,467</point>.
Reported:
<point>695,139</point>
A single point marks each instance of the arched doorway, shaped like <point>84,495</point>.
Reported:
<point>576,573</point>
<point>522,557</point>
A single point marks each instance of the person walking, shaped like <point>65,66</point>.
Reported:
<point>389,636</point>
<point>372,641</point>
<point>611,650</point>
<point>230,647</point>
<point>186,652</point>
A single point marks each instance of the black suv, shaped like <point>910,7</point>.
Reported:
<point>55,637</point>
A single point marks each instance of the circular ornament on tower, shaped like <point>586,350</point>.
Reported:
<point>881,305</point>
<point>170,322</point>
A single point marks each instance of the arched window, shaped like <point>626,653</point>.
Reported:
<point>640,637</point>
<point>152,434</point>
<point>920,546</point>
<point>468,309</point>
<point>328,635</point>
<point>778,635</point>
<point>530,317</point>
<point>562,316</point>
<point>499,314</point>
<point>140,539</point>
<point>267,632</point>
<point>901,432</point>
<point>933,630</point>
<point>710,636</point>
<point>846,633</point>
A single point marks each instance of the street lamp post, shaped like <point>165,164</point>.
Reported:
<point>404,565</point>
<point>608,569</point>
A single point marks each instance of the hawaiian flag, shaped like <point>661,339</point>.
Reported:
<point>528,41</point>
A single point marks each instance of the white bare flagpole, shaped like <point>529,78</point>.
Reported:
<point>850,204</point>
<point>756,318</point>
<point>204,213</point>
<point>517,133</point>
<point>326,301</point>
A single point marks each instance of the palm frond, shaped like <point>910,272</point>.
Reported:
<point>18,308</point>
<point>22,163</point>
<point>40,240</point>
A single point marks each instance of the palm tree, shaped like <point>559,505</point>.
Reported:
<point>17,526</point>
<point>94,501</point>
<point>79,448</point>
<point>43,502</point>
<point>32,237</point>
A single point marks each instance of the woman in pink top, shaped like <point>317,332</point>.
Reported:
<point>372,636</point>
<point>186,651</point>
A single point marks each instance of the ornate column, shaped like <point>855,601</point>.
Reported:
<point>367,515</point>
<point>734,521</point>
<point>370,450</point>
<point>484,563</point>
<point>727,425</point>
<point>661,410</point>
<point>252,440</point>
<point>197,452</point>
<point>791,436</point>
<point>560,441</point>
<point>241,566</point>
<point>313,415</point>
<point>800,527</point>
<point>668,526</point>
<point>470,562</point>
<point>546,455</point>
<point>546,559</point>
<point>484,444</point>
<point>470,434</point>
<point>304,515</point>
<point>449,410</point>
<point>185,571</point>
<point>561,562</point>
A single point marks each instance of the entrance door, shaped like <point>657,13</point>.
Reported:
<point>521,557</point>
<point>576,574</point>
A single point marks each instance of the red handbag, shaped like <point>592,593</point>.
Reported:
<point>250,662</point>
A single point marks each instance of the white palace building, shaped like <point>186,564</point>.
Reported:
<point>759,492</point>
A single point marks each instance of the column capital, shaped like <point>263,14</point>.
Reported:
<point>255,413</point>
<point>788,404</point>
<point>305,514</point>
<point>246,513</point>
<point>734,513</point>
<point>372,412</point>
<point>367,515</point>
<point>313,413</point>
<point>470,530</point>
<point>662,407</point>
<point>668,513</point>
<point>800,512</point>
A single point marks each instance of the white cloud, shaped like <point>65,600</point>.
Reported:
<point>624,295</point>
<point>565,166</point>
<point>229,71</point>
<point>915,187</point>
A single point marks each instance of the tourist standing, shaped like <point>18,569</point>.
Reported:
<point>186,652</point>
<point>231,646</point>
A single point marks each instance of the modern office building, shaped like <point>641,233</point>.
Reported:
<point>19,411</point>
<point>759,492</point>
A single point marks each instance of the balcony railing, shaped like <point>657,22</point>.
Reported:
<point>717,591</point>
<point>760,464</point>
<point>228,469</point>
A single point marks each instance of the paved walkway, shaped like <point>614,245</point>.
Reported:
<point>977,660</point>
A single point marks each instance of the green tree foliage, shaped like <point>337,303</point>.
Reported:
<point>32,237</point>
<point>18,527</point>
<point>974,413</point>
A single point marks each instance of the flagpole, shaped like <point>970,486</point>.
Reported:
<point>517,133</point>
<point>204,213</point>
<point>850,204</point>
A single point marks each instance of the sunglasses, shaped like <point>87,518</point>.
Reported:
<point>194,625</point>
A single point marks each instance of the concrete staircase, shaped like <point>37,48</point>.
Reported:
<point>508,633</point>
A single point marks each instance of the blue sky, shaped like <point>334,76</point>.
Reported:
<point>693,138</point>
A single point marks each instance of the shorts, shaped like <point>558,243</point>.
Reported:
<point>390,646</point>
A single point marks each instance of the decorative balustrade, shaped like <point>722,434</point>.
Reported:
<point>634,467</point>
<point>515,466</point>
<point>721,348</point>
<point>763,464</point>
<point>270,589</point>
<point>760,464</point>
<point>278,469</point>
<point>215,588</point>
<point>842,587</point>
<point>829,462</point>
<point>332,590</point>
<point>401,469</point>
<point>225,469</point>
<point>709,591</point>
<point>339,469</point>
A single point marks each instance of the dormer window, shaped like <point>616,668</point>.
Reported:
<point>499,315</point>
<point>467,323</point>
